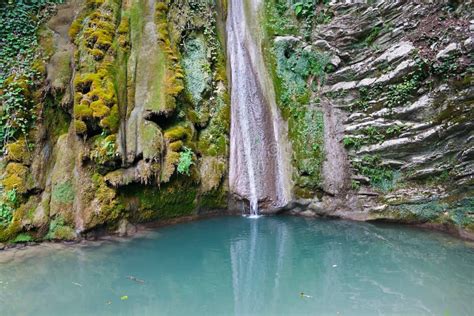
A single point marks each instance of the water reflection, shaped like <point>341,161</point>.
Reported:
<point>240,266</point>
<point>342,264</point>
<point>257,265</point>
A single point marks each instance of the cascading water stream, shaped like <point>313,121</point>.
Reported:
<point>259,159</point>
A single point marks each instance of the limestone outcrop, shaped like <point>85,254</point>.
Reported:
<point>132,117</point>
<point>402,91</point>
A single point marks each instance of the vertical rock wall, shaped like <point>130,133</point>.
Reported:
<point>135,122</point>
<point>402,81</point>
<point>379,103</point>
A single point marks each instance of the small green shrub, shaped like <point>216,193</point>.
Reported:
<point>323,17</point>
<point>105,149</point>
<point>396,94</point>
<point>58,230</point>
<point>278,20</point>
<point>304,8</point>
<point>352,142</point>
<point>446,68</point>
<point>63,192</point>
<point>371,135</point>
<point>370,166</point>
<point>5,213</point>
<point>373,35</point>
<point>185,161</point>
<point>22,238</point>
<point>8,203</point>
<point>355,185</point>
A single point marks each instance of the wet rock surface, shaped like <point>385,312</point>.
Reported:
<point>127,132</point>
<point>405,95</point>
<point>133,117</point>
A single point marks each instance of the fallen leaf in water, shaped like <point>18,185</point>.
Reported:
<point>124,297</point>
<point>132,278</point>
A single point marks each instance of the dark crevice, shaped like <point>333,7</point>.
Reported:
<point>162,120</point>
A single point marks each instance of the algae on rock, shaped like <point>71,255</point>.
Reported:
<point>116,114</point>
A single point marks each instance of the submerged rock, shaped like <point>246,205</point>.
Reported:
<point>126,229</point>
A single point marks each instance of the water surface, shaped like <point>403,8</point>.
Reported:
<point>240,266</point>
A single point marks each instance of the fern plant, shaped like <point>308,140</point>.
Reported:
<point>7,205</point>
<point>185,161</point>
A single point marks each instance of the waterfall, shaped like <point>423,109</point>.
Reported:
<point>259,154</point>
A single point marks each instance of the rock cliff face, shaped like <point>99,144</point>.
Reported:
<point>399,97</point>
<point>132,117</point>
<point>117,112</point>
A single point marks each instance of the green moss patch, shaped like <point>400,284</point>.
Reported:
<point>63,192</point>
<point>197,69</point>
<point>22,238</point>
<point>174,199</point>
<point>459,213</point>
<point>293,69</point>
<point>59,230</point>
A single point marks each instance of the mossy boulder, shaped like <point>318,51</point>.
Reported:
<point>16,177</point>
<point>80,127</point>
<point>60,230</point>
<point>62,179</point>
<point>146,203</point>
<point>11,231</point>
<point>18,152</point>
<point>214,200</point>
<point>59,71</point>
<point>152,141</point>
<point>179,132</point>
<point>212,171</point>
<point>95,100</point>
<point>104,208</point>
